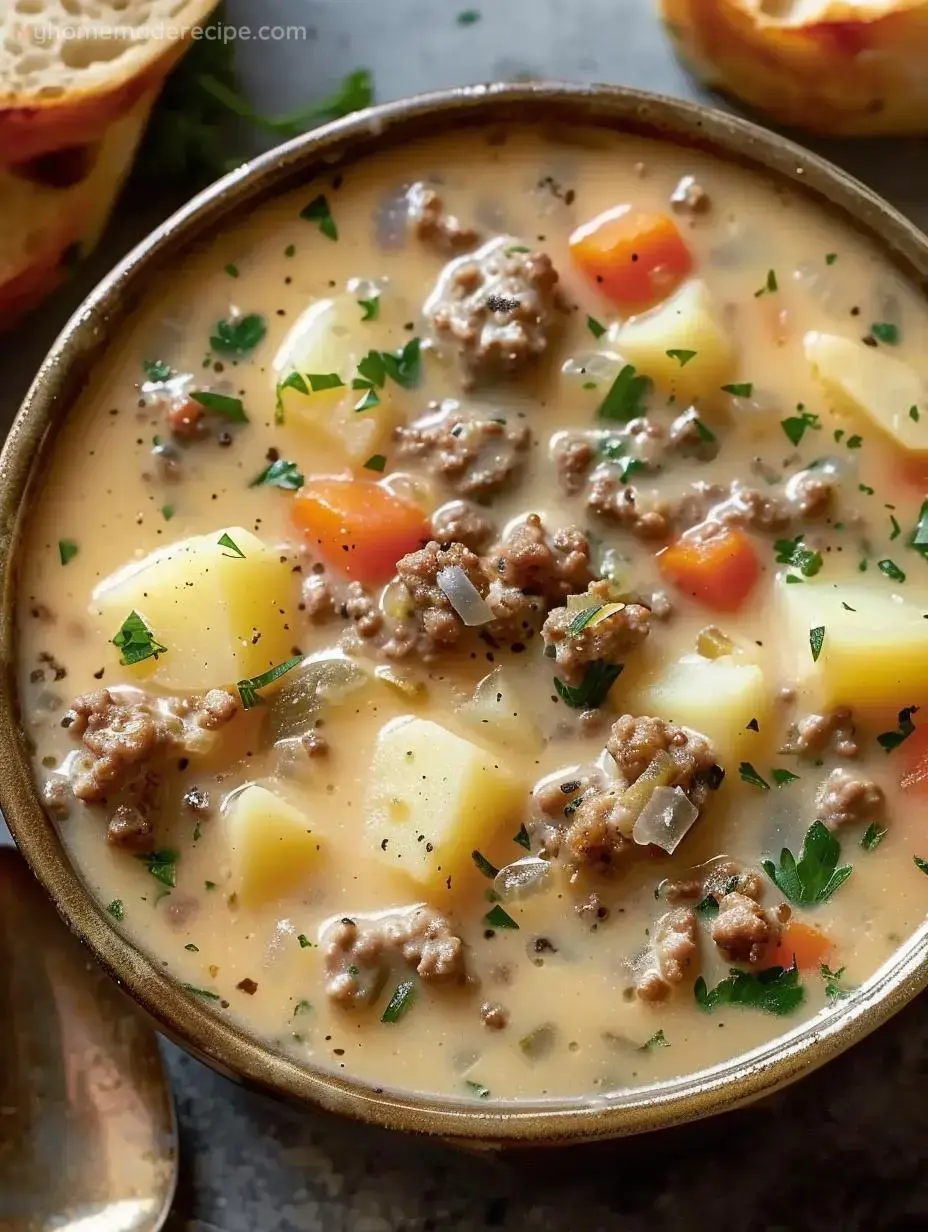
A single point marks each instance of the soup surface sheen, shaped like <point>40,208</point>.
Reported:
<point>692,542</point>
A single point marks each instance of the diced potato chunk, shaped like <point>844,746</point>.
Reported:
<point>718,697</point>
<point>685,322</point>
<point>499,715</point>
<point>329,339</point>
<point>433,798</point>
<point>273,847</point>
<point>207,606</point>
<point>871,381</point>
<point>875,654</point>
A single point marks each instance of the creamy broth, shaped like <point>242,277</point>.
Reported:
<point>580,996</point>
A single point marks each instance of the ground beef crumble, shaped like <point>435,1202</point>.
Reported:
<point>674,943</point>
<point>461,522</point>
<point>358,953</point>
<point>474,457</point>
<point>607,641</point>
<point>432,223</point>
<point>552,566</point>
<point>817,734</point>
<point>418,572</point>
<point>844,799</point>
<point>744,931</point>
<point>635,741</point>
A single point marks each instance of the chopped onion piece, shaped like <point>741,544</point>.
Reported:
<point>712,643</point>
<point>522,877</point>
<point>665,819</point>
<point>660,771</point>
<point>464,596</point>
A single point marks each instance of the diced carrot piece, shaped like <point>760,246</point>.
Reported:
<point>635,259</point>
<point>718,570</point>
<point>913,753</point>
<point>913,471</point>
<point>358,526</point>
<point>807,946</point>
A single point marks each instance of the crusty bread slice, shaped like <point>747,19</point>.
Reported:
<point>68,68</point>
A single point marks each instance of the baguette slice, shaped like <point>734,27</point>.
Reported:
<point>851,67</point>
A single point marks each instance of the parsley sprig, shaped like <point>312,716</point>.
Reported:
<point>248,689</point>
<point>238,335</point>
<point>136,642</point>
<point>775,990</point>
<point>626,396</point>
<point>593,688</point>
<point>815,876</point>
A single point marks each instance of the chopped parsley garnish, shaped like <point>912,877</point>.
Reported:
<point>403,366</point>
<point>830,258</point>
<point>232,270</point>
<point>499,918</point>
<point>657,1040</point>
<point>305,943</point>
<point>193,949</point>
<point>367,401</point>
<point>795,552</point>
<point>318,212</point>
<point>477,1088</point>
<point>873,836</point>
<point>323,380</point>
<point>157,370</point>
<point>293,381</point>
<point>593,688</point>
<point>750,775</point>
<point>116,909</point>
<point>913,414</point>
<point>885,332</point>
<point>522,838</point>
<point>484,865</point>
<point>376,462</point>
<point>596,328</point>
<point>167,512</point>
<point>248,689</point>
<point>796,425</point>
<point>782,777</point>
<point>280,474</point>
<point>162,865</point>
<point>625,399</point>
<point>513,249</point>
<point>401,1002</point>
<point>370,308</point>
<point>770,285</point>
<point>205,993</point>
<point>920,864</point>
<point>136,642</point>
<point>238,336</point>
<point>896,528</point>
<point>775,990</point>
<point>890,740</point>
<point>919,539</point>
<point>67,550</point>
<point>468,17</point>
<point>682,356</point>
<point>704,433</point>
<point>815,876</point>
<point>209,885</point>
<point>865,488</point>
<point>743,390</point>
<point>221,404</point>
<point>290,250</point>
<point>891,569</point>
<point>816,641</point>
<point>301,1007</point>
<point>707,907</point>
<point>854,442</point>
<point>834,989</point>
<point>226,541</point>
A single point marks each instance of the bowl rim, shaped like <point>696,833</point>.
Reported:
<point>56,387</point>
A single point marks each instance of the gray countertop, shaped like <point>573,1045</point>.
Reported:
<point>843,1149</point>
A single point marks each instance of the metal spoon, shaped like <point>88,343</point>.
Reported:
<point>88,1139</point>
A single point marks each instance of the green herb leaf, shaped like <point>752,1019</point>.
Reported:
<point>376,462</point>
<point>795,552</point>
<point>921,865</point>
<point>913,414</point>
<point>890,740</point>
<point>293,381</point>
<point>830,258</point>
<point>221,404</point>
<point>368,401</point>
<point>301,1007</point>
<point>657,1040</point>
<point>401,1002</point>
<point>136,642</point>
<point>896,528</point>
<point>193,949</point>
<point>707,907</point>
<point>484,865</point>
<point>318,212</point>
<point>324,380</point>
<point>891,569</point>
<point>232,270</point>
<point>370,308</point>
<point>167,512</point>
<point>499,918</point>
<point>743,390</point>
<point>796,425</point>
<point>516,248</point>
<point>67,550</point>
<point>305,943</point>
<point>595,327</point>
<point>834,989</point>
<point>816,641</point>
<point>239,335</point>
<point>627,466</point>
<point>209,885</point>
<point>248,689</point>
<point>157,370</point>
<point>704,433</point>
<point>592,690</point>
<point>683,356</point>
<point>582,619</point>
<point>625,399</point>
<point>775,991</point>
<point>815,876</point>
<point>468,17</point>
<point>854,442</point>
<point>290,250</point>
<point>522,838</point>
<point>750,775</point>
<point>280,474</point>
<point>205,993</point>
<point>162,865</point>
<point>873,836</point>
<point>769,286</point>
<point>886,333</point>
<point>477,1088</point>
<point>116,909</point>
<point>226,541</point>
<point>782,777</point>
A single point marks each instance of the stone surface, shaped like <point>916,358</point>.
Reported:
<point>844,1148</point>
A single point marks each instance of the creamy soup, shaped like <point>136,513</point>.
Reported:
<point>472,627</point>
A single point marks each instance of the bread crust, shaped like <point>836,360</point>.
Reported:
<point>857,69</point>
